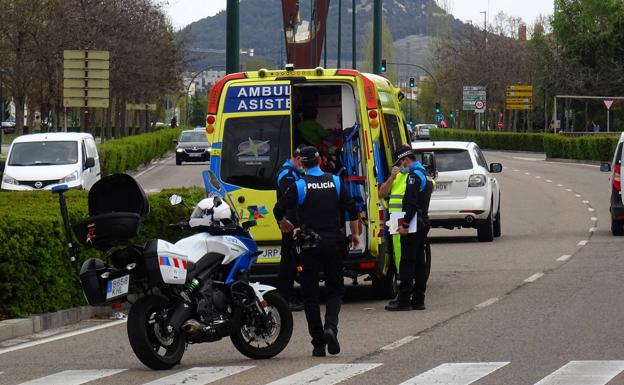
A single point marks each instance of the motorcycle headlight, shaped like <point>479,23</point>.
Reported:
<point>70,178</point>
<point>9,180</point>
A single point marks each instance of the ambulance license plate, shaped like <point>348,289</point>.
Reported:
<point>269,252</point>
<point>117,287</point>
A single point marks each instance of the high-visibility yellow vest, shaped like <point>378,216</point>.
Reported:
<point>395,203</point>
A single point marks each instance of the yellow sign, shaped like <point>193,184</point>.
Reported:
<point>80,102</point>
<point>81,74</point>
<point>519,94</point>
<point>91,55</point>
<point>142,107</point>
<point>90,93</point>
<point>83,83</point>
<point>519,101</point>
<point>519,88</point>
<point>519,106</point>
<point>86,64</point>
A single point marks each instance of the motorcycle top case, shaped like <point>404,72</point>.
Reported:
<point>165,263</point>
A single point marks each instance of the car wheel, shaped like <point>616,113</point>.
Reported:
<point>485,232</point>
<point>178,161</point>
<point>497,222</point>
<point>617,227</point>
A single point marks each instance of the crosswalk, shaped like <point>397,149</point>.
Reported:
<point>465,373</point>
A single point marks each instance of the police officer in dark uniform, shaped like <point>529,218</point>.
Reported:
<point>288,174</point>
<point>320,200</point>
<point>416,200</point>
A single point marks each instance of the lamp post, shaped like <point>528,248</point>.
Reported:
<point>188,89</point>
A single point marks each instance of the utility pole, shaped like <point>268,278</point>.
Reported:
<point>377,37</point>
<point>232,59</point>
<point>338,64</point>
<point>353,38</point>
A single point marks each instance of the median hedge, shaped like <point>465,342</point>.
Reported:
<point>121,155</point>
<point>599,148</point>
<point>35,273</point>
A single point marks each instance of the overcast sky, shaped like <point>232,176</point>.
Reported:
<point>183,12</point>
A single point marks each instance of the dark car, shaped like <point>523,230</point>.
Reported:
<point>192,146</point>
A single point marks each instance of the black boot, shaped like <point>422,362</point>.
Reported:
<point>318,351</point>
<point>398,306</point>
<point>333,347</point>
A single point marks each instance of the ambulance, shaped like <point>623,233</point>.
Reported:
<point>256,119</point>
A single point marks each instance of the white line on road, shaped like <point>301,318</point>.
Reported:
<point>487,303</point>
<point>516,170</point>
<point>61,336</point>
<point>534,277</point>
<point>584,372</point>
<point>569,190</point>
<point>456,373</point>
<point>559,185</point>
<point>200,376</point>
<point>527,173</point>
<point>593,229</point>
<point>528,159</point>
<point>538,177</point>
<point>578,195</point>
<point>564,258</point>
<point>591,209</point>
<point>594,219</point>
<point>548,181</point>
<point>586,202</point>
<point>145,171</point>
<point>74,377</point>
<point>582,243</point>
<point>399,343</point>
<point>325,374</point>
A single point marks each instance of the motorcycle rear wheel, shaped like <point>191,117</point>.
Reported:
<point>152,345</point>
<point>259,343</point>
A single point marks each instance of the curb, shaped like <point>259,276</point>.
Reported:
<point>20,327</point>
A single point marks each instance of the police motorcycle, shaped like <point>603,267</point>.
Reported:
<point>193,291</point>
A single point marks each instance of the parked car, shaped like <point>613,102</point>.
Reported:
<point>422,130</point>
<point>466,194</point>
<point>40,161</point>
<point>616,207</point>
<point>8,126</point>
<point>192,146</point>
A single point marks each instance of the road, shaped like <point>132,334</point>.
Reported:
<point>542,304</point>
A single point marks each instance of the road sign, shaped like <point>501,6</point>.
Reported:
<point>90,103</point>
<point>472,95</point>
<point>608,104</point>
<point>141,107</point>
<point>519,101</point>
<point>82,74</point>
<point>86,64</point>
<point>519,97</point>
<point>86,83</point>
<point>525,88</point>
<point>91,55</point>
<point>519,106</point>
<point>519,94</point>
<point>82,93</point>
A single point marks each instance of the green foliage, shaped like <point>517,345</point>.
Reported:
<point>493,140</point>
<point>128,153</point>
<point>599,148</point>
<point>35,273</point>
<point>198,112</point>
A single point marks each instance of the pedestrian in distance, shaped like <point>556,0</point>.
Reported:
<point>174,122</point>
<point>320,200</point>
<point>289,173</point>
<point>415,204</point>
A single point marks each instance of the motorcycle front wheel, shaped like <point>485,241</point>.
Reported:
<point>260,338</point>
<point>152,344</point>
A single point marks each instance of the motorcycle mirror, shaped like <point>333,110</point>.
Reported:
<point>249,224</point>
<point>175,200</point>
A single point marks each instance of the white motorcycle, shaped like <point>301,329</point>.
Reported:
<point>195,290</point>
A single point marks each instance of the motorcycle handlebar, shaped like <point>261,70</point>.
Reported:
<point>180,225</point>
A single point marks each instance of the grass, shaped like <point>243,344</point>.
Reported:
<point>8,138</point>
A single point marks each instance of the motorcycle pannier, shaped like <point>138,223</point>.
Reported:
<point>164,264</point>
<point>99,290</point>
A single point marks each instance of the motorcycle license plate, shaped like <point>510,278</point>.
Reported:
<point>269,252</point>
<point>118,286</point>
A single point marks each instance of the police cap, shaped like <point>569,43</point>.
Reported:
<point>298,150</point>
<point>309,154</point>
<point>401,152</point>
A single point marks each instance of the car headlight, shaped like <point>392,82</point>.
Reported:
<point>476,180</point>
<point>179,150</point>
<point>70,178</point>
<point>9,180</point>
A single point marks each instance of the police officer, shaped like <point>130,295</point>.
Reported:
<point>288,174</point>
<point>320,200</point>
<point>413,273</point>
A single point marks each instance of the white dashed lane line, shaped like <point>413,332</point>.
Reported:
<point>564,258</point>
<point>487,303</point>
<point>586,202</point>
<point>534,277</point>
<point>548,181</point>
<point>582,243</point>
<point>593,229</point>
<point>594,219</point>
<point>399,343</point>
<point>591,209</point>
<point>559,185</point>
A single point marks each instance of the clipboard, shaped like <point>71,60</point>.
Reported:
<point>396,219</point>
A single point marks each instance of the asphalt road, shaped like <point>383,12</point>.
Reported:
<point>542,304</point>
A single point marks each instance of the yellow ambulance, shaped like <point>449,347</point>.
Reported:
<point>256,119</point>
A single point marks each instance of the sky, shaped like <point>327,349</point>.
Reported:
<point>184,12</point>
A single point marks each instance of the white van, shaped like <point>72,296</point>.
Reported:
<point>40,161</point>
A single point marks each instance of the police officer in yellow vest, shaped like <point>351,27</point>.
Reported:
<point>394,188</point>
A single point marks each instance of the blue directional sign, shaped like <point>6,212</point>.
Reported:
<point>439,118</point>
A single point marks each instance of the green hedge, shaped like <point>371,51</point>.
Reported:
<point>493,140</point>
<point>35,275</point>
<point>600,148</point>
<point>121,155</point>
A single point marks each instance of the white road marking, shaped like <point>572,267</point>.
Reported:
<point>456,373</point>
<point>593,229</point>
<point>564,258</point>
<point>548,181</point>
<point>534,277</point>
<point>487,303</point>
<point>325,374</point>
<point>516,170</point>
<point>591,209</point>
<point>400,342</point>
<point>61,336</point>
<point>586,202</point>
<point>582,243</point>
<point>569,190</point>
<point>584,373</point>
<point>74,377</point>
<point>527,159</point>
<point>145,171</point>
<point>578,195</point>
<point>153,190</point>
<point>200,376</point>
<point>594,219</point>
<point>538,177</point>
<point>527,173</point>
<point>559,185</point>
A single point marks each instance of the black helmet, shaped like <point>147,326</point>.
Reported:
<point>298,150</point>
<point>309,154</point>
<point>401,152</point>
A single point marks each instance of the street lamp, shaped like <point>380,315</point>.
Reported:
<point>188,88</point>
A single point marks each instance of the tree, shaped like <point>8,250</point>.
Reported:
<point>387,50</point>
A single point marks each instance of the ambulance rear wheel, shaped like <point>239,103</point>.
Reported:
<point>386,287</point>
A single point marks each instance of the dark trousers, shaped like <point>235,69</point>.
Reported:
<point>413,269</point>
<point>287,268</point>
<point>328,258</point>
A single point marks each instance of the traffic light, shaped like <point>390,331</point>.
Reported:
<point>452,114</point>
<point>412,82</point>
<point>437,108</point>
<point>384,66</point>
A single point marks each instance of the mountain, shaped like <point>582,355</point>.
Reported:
<point>261,29</point>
